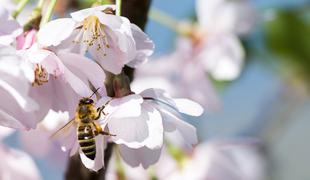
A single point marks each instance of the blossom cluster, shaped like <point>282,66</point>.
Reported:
<point>47,69</point>
<point>63,84</point>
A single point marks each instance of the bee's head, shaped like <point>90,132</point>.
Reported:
<point>86,101</point>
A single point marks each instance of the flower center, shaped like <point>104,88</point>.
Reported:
<point>41,75</point>
<point>92,34</point>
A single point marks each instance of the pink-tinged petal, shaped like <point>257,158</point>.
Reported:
<point>54,32</point>
<point>128,106</point>
<point>226,16</point>
<point>17,109</point>
<point>77,84</point>
<point>66,99</point>
<point>112,58</point>
<point>52,64</point>
<point>82,14</point>
<point>173,123</point>
<point>18,165</point>
<point>125,40</point>
<point>184,106</point>
<point>136,132</point>
<point>26,40</point>
<point>21,99</point>
<point>13,64</point>
<point>188,107</point>
<point>112,21</point>
<point>7,120</point>
<point>144,47</point>
<point>142,156</point>
<point>89,69</point>
<point>223,56</point>
<point>158,94</point>
<point>98,162</point>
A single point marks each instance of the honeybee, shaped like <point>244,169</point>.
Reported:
<point>87,126</point>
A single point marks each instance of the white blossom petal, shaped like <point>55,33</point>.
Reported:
<point>142,156</point>
<point>188,107</point>
<point>54,32</point>
<point>136,132</point>
<point>82,14</point>
<point>223,56</point>
<point>144,47</point>
<point>90,70</point>
<point>125,107</point>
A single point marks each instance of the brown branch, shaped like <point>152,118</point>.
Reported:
<point>136,11</point>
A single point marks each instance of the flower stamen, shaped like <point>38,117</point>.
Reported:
<point>92,34</point>
<point>41,75</point>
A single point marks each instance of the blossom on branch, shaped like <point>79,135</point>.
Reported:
<point>111,40</point>
<point>140,122</point>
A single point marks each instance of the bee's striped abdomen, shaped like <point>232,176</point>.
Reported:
<point>86,140</point>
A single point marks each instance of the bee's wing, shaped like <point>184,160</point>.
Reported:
<point>63,130</point>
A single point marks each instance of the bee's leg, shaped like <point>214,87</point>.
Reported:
<point>98,130</point>
<point>100,110</point>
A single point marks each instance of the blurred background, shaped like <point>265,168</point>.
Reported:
<point>269,100</point>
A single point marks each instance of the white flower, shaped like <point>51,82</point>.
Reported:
<point>180,74</point>
<point>111,40</point>
<point>220,22</point>
<point>15,164</point>
<point>139,122</point>
<point>9,28</point>
<point>236,16</point>
<point>224,159</point>
<point>233,159</point>
<point>61,78</point>
<point>16,107</point>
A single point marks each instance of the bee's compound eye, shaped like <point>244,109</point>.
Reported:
<point>89,101</point>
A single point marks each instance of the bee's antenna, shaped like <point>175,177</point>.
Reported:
<point>94,92</point>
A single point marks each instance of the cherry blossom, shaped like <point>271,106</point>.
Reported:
<point>224,159</point>
<point>237,17</point>
<point>16,164</point>
<point>217,159</point>
<point>140,122</point>
<point>17,107</point>
<point>180,75</point>
<point>9,29</point>
<point>216,38</point>
<point>61,78</point>
<point>111,40</point>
